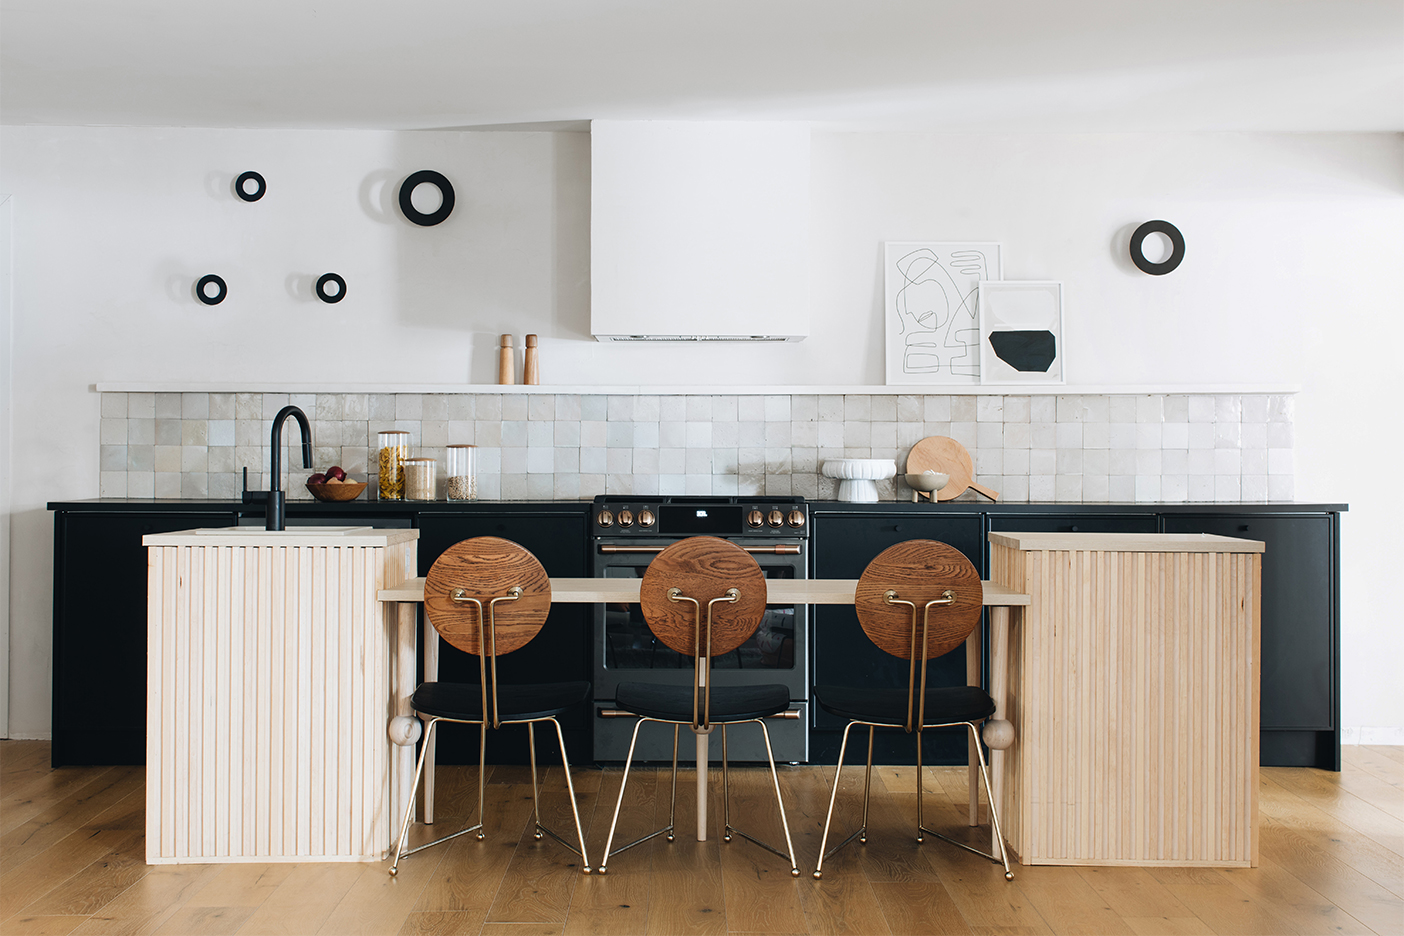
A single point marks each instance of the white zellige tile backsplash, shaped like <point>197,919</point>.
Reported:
<point>1115,448</point>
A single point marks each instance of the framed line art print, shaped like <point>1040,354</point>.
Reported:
<point>931,309</point>
<point>1021,332</point>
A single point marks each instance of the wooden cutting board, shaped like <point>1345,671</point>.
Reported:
<point>946,455</point>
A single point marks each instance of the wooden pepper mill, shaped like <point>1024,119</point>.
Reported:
<point>506,362</point>
<point>531,371</point>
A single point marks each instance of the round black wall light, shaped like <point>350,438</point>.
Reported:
<point>429,177</point>
<point>1177,247</point>
<point>336,296</point>
<point>244,193</point>
<point>211,280</point>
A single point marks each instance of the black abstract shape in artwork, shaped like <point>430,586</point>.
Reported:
<point>1025,351</point>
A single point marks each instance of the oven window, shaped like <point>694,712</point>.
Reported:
<point>630,645</point>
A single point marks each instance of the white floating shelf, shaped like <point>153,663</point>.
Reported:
<point>680,390</point>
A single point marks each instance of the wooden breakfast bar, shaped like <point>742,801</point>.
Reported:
<point>407,596</point>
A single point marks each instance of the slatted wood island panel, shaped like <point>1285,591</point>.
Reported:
<point>269,692</point>
<point>1133,690</point>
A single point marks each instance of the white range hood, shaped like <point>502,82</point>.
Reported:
<point>699,231</point>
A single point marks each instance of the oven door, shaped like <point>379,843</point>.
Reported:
<point>625,650</point>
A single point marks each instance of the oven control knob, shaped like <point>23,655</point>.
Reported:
<point>646,518</point>
<point>606,519</point>
<point>755,518</point>
<point>776,518</point>
<point>626,518</point>
<point>796,518</point>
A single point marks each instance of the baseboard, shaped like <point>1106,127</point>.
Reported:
<point>1373,734</point>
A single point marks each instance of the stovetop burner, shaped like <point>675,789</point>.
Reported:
<point>691,515</point>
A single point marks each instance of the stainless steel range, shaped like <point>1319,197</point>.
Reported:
<point>627,532</point>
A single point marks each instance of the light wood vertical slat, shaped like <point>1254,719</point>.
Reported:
<point>345,843</point>
<point>313,688</point>
<point>209,651</point>
<point>224,610</point>
<point>263,738</point>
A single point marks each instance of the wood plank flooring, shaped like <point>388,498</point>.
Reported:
<point>72,861</point>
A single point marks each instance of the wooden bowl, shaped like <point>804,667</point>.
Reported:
<point>345,491</point>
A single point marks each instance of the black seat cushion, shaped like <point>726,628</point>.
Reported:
<point>729,703</point>
<point>889,706</point>
<point>465,700</point>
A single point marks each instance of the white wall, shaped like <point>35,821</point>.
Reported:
<point>1292,276</point>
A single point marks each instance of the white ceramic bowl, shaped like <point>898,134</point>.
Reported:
<point>927,481</point>
<point>856,477</point>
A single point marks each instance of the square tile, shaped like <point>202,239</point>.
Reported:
<point>141,406</point>
<point>937,409</point>
<point>593,407</point>
<point>514,407</point>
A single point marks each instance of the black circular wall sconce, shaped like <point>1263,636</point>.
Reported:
<point>1177,247</point>
<point>244,193</point>
<point>430,177</point>
<point>211,280</point>
<point>336,296</point>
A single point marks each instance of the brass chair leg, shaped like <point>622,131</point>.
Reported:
<point>535,796</point>
<point>784,823</point>
<point>867,788</point>
<point>829,818</point>
<point>726,793</point>
<point>623,784</point>
<point>1003,856</point>
<point>919,785</point>
<point>482,776</point>
<point>409,809</point>
<point>575,810</point>
<point>673,801</point>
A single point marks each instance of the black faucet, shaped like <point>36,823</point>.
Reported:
<point>276,517</point>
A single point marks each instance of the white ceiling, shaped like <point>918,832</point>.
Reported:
<point>989,65</point>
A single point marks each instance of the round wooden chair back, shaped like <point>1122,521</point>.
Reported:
<point>919,571</point>
<point>480,570</point>
<point>703,568</point>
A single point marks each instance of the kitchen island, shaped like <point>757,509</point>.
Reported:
<point>269,686</point>
<point>1133,692</point>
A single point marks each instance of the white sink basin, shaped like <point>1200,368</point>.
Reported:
<point>290,531</point>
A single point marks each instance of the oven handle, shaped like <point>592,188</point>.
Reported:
<point>793,714</point>
<point>776,549</point>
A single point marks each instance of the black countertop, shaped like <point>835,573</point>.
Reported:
<point>372,509</point>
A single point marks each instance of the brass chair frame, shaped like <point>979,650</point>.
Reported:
<point>487,638</point>
<point>915,723</point>
<point>702,724</point>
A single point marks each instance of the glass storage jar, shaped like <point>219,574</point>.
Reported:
<point>419,479</point>
<point>462,484</point>
<point>394,449</point>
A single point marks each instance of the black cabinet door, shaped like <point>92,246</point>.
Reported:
<point>1075,523</point>
<point>559,653</point>
<point>1299,691</point>
<point>99,679</point>
<point>843,655</point>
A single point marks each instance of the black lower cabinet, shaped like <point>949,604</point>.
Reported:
<point>1299,689</point>
<point>843,545</point>
<point>559,653</point>
<point>1075,523</point>
<point>99,678</point>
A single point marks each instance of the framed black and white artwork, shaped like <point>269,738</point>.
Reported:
<point>931,310</point>
<point>1021,332</point>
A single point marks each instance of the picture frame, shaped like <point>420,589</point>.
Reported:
<point>931,321</point>
<point>1021,332</point>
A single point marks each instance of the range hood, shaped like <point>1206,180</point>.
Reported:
<point>699,231</point>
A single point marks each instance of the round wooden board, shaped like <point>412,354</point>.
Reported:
<point>486,567</point>
<point>919,570</point>
<point>704,567</point>
<point>946,455</point>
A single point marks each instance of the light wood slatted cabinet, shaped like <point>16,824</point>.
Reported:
<point>270,693</point>
<point>1133,690</point>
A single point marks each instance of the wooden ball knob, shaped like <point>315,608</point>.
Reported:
<point>998,734</point>
<point>405,729</point>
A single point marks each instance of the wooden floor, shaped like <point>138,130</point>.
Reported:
<point>71,861</point>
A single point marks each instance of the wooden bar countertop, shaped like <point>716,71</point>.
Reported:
<point>783,591</point>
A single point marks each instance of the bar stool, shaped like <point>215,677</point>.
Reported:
<point>489,596</point>
<point>702,597</point>
<point>917,600</point>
